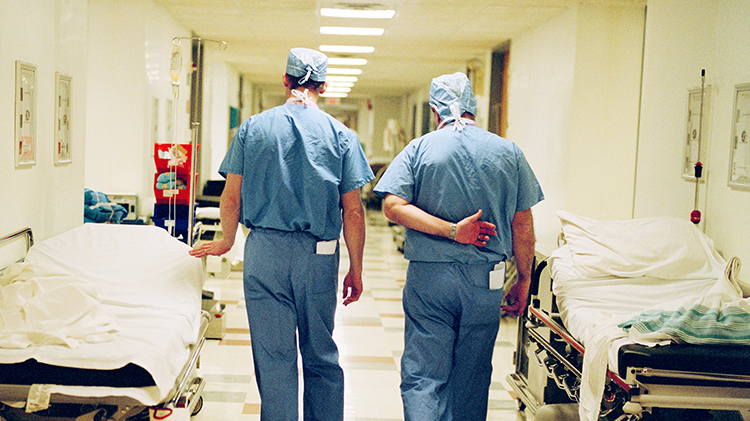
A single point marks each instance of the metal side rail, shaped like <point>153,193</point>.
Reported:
<point>547,321</point>
<point>187,391</point>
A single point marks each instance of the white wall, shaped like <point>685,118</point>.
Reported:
<point>540,95</point>
<point>604,116</point>
<point>128,67</point>
<point>573,110</point>
<point>222,90</point>
<point>681,39</point>
<point>52,36</point>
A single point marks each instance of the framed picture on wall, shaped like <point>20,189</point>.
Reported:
<point>695,133</point>
<point>62,119</point>
<point>25,116</point>
<point>739,164</point>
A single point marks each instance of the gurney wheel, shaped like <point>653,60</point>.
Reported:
<point>198,406</point>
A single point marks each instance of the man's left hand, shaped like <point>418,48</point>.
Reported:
<point>471,230</point>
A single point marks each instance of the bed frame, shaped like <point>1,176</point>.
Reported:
<point>548,360</point>
<point>186,392</point>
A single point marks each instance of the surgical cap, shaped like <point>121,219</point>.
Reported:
<point>307,64</point>
<point>448,89</point>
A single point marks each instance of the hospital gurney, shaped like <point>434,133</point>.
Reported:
<point>609,274</point>
<point>132,355</point>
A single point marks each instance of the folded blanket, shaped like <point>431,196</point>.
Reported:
<point>722,316</point>
<point>97,208</point>
<point>44,306</point>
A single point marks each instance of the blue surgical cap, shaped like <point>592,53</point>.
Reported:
<point>447,89</point>
<point>307,64</point>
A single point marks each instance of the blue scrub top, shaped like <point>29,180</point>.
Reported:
<point>296,162</point>
<point>451,175</point>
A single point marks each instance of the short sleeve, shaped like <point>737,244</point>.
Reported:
<point>356,172</point>
<point>234,160</point>
<point>399,178</point>
<point>529,191</point>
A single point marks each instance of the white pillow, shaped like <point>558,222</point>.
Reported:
<point>661,247</point>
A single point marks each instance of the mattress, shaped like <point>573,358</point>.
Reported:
<point>150,286</point>
<point>584,302</point>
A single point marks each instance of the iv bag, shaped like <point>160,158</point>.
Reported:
<point>175,69</point>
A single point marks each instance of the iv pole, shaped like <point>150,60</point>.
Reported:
<point>194,118</point>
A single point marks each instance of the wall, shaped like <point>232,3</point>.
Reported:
<point>128,88</point>
<point>222,90</point>
<point>384,109</point>
<point>541,79</point>
<point>45,197</point>
<point>681,39</point>
<point>573,110</point>
<point>604,115</point>
<point>482,69</point>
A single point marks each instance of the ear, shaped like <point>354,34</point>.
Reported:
<point>437,116</point>
<point>323,88</point>
<point>285,80</point>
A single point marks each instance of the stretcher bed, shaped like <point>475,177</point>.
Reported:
<point>623,321</point>
<point>102,322</point>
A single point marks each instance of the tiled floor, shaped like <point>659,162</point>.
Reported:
<point>369,334</point>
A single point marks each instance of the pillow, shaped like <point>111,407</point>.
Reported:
<point>661,247</point>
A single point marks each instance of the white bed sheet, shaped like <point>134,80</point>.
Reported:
<point>584,302</point>
<point>591,309</point>
<point>151,286</point>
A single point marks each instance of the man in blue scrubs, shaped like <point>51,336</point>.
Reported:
<point>293,176</point>
<point>465,197</point>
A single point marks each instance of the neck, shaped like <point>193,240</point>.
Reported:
<point>312,95</point>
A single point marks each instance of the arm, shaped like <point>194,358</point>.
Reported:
<point>229,207</point>
<point>353,218</point>
<point>523,250</point>
<point>469,230</point>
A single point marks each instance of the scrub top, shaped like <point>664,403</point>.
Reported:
<point>295,161</point>
<point>452,174</point>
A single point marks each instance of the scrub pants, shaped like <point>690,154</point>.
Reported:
<point>290,293</point>
<point>452,319</point>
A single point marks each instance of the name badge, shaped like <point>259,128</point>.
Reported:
<point>497,276</point>
<point>326,247</point>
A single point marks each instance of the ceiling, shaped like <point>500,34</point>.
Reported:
<point>425,38</point>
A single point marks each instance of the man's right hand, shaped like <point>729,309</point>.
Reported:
<point>212,248</point>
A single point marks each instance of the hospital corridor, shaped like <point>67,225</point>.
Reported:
<point>369,335</point>
<point>597,151</point>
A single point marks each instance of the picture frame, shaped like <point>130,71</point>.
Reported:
<point>739,147</point>
<point>25,115</point>
<point>62,145</point>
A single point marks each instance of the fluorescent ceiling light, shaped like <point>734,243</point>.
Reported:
<point>362,14</point>
<point>336,71</point>
<point>340,84</point>
<point>341,78</point>
<point>337,89</point>
<point>346,49</point>
<point>347,61</point>
<point>343,30</point>
<point>335,94</point>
